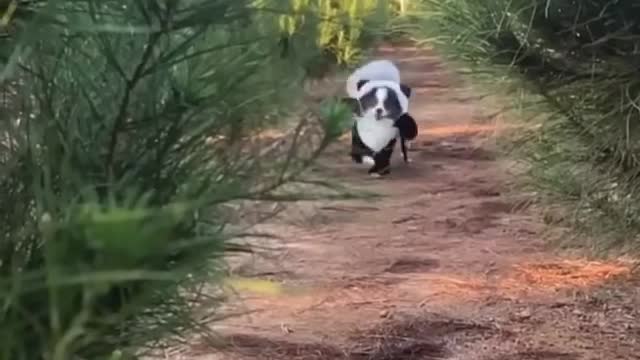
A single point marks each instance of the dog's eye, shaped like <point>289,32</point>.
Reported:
<point>368,101</point>
<point>392,104</point>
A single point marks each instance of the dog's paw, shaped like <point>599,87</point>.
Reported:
<point>380,173</point>
<point>368,160</point>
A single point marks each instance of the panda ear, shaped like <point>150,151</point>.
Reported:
<point>406,90</point>
<point>361,83</point>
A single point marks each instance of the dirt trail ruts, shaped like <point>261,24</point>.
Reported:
<point>446,266</point>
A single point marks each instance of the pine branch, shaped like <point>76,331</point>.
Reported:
<point>121,115</point>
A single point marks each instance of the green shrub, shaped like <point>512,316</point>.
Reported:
<point>576,64</point>
<point>345,28</point>
<point>125,126</point>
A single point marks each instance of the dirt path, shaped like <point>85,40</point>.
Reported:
<point>445,266</point>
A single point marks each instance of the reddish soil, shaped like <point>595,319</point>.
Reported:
<point>447,265</point>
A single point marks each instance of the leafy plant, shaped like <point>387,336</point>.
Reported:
<point>125,126</point>
<point>344,28</point>
<point>576,63</point>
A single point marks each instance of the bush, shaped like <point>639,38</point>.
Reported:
<point>125,126</point>
<point>345,28</point>
<point>577,63</point>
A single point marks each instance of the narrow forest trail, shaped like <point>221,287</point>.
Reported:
<point>447,265</point>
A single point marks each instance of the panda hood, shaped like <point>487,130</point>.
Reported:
<point>373,70</point>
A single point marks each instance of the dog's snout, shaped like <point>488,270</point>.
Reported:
<point>379,112</point>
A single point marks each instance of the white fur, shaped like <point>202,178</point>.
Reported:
<point>374,70</point>
<point>374,133</point>
<point>368,160</point>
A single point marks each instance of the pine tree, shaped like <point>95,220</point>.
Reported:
<point>125,126</point>
<point>578,62</point>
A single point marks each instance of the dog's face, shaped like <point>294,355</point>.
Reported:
<point>382,102</point>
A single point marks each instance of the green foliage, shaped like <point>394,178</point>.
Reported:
<point>124,126</point>
<point>576,62</point>
<point>344,27</point>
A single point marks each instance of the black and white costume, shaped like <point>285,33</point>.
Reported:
<point>381,115</point>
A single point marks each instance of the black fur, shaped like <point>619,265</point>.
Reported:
<point>361,84</point>
<point>408,129</point>
<point>403,148</point>
<point>407,126</point>
<point>406,90</point>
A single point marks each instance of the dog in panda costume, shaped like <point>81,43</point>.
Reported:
<point>380,103</point>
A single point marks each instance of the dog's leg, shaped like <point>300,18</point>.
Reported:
<point>403,148</point>
<point>407,130</point>
<point>356,155</point>
<point>363,159</point>
<point>383,161</point>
